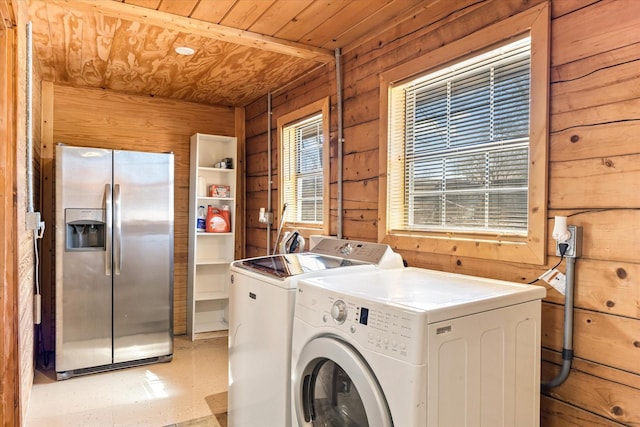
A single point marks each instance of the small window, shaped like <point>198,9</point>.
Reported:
<point>463,135</point>
<point>463,145</point>
<point>304,166</point>
<point>302,170</point>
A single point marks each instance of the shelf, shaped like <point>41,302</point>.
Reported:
<point>210,254</point>
<point>216,198</point>
<point>211,296</point>
<point>210,326</point>
<point>213,261</point>
<point>200,233</point>
<point>222,333</point>
<point>210,169</point>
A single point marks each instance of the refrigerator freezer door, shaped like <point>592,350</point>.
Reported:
<point>83,289</point>
<point>143,255</point>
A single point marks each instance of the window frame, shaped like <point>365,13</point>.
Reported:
<point>318,107</point>
<point>531,248</point>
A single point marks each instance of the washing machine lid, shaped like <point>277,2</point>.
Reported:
<point>328,254</point>
<point>288,265</point>
<point>434,294</point>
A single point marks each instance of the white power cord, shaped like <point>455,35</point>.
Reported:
<point>37,298</point>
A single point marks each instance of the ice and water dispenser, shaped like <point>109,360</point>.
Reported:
<point>85,229</point>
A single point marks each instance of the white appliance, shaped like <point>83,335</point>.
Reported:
<point>413,347</point>
<point>261,301</point>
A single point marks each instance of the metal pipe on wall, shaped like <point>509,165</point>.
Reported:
<point>340,139</point>
<point>29,118</point>
<point>269,179</point>
<point>567,340</point>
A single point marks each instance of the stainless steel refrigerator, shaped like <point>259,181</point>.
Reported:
<point>114,259</point>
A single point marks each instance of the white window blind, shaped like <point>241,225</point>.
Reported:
<point>303,176</point>
<point>459,146</point>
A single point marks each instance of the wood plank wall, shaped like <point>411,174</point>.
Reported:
<point>9,360</point>
<point>594,163</point>
<point>99,118</point>
<point>594,171</point>
<point>24,244</point>
<point>26,254</point>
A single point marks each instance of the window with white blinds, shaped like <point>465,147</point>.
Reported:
<point>459,146</point>
<point>302,169</point>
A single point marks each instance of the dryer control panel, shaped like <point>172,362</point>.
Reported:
<point>365,252</point>
<point>384,328</point>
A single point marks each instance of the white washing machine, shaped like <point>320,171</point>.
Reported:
<point>261,301</point>
<point>413,348</point>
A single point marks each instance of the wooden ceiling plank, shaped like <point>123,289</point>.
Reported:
<point>311,18</point>
<point>205,29</point>
<point>391,15</point>
<point>151,4</point>
<point>245,13</point>
<point>212,10</point>
<point>348,16</point>
<point>279,15</point>
<point>177,7</point>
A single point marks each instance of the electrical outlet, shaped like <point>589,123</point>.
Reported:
<point>265,217</point>
<point>574,241</point>
<point>33,221</point>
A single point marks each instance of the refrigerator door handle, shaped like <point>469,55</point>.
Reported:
<point>108,247</point>
<point>117,221</point>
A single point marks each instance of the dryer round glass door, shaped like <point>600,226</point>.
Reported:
<point>334,387</point>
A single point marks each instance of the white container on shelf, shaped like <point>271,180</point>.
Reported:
<point>202,217</point>
<point>202,186</point>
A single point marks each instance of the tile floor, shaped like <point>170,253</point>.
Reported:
<point>153,395</point>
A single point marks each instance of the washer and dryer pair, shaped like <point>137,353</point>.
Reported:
<point>261,303</point>
<point>413,348</point>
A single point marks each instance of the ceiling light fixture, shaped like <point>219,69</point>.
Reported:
<point>184,50</point>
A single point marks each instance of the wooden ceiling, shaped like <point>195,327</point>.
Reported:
<point>243,48</point>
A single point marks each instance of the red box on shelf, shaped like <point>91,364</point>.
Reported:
<point>219,190</point>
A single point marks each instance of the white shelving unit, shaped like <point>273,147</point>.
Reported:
<point>210,253</point>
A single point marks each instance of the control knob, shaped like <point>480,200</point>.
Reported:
<point>346,248</point>
<point>339,312</point>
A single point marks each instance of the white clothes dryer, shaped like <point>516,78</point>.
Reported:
<point>261,301</point>
<point>413,348</point>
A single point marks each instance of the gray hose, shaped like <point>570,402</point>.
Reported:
<point>567,341</point>
<point>340,140</point>
<point>29,118</point>
<point>269,171</point>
